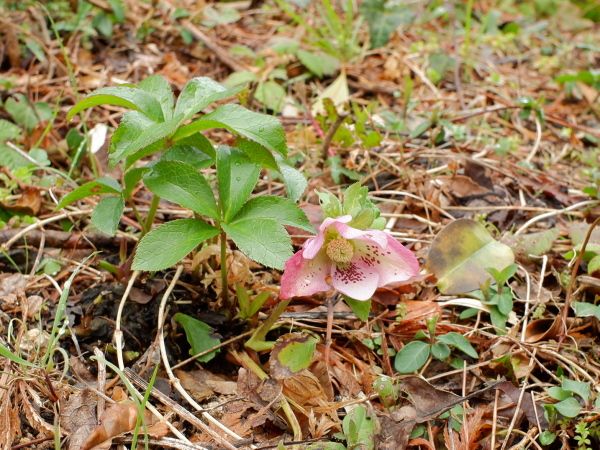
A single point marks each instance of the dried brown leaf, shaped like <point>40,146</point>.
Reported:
<point>118,418</point>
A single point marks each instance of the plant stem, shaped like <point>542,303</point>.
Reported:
<point>151,213</point>
<point>224,285</point>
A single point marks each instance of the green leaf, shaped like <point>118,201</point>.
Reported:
<point>257,153</point>
<point>102,185</point>
<point>498,319</point>
<point>547,437</point>
<point>294,180</point>
<point>291,353</point>
<point>266,130</point>
<point>181,183</point>
<point>359,429</point>
<point>460,342</point>
<point>124,96</point>
<point>107,214</point>
<point>412,357</point>
<point>195,150</point>
<point>440,351</point>
<point>327,445</point>
<point>8,130</point>
<point>160,89</point>
<point>558,393</point>
<point>198,93</point>
<point>577,387</point>
<point>6,353</point>
<point>263,240</point>
<point>169,243</point>
<point>131,179</point>
<point>318,63</point>
<point>360,308</point>
<point>583,309</point>
<point>593,265</point>
<point>505,302</point>
<point>25,113</point>
<point>280,209</point>
<point>461,252</point>
<point>237,176</point>
<point>383,17</point>
<point>569,407</point>
<point>271,94</point>
<point>150,136</point>
<point>199,335</point>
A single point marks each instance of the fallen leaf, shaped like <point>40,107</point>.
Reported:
<point>337,92</point>
<point>461,186</point>
<point>291,353</point>
<point>532,244</point>
<point>428,401</point>
<point>78,417</point>
<point>461,253</point>
<point>116,419</point>
<point>533,412</point>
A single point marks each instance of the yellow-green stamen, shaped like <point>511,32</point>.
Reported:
<point>340,250</point>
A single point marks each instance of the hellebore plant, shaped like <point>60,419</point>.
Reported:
<point>350,253</point>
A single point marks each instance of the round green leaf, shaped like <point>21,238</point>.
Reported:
<point>412,357</point>
<point>569,407</point>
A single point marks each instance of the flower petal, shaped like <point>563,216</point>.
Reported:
<point>347,232</point>
<point>356,280</point>
<point>302,277</point>
<point>393,263</point>
<point>313,245</point>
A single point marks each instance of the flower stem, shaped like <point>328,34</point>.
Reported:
<point>151,213</point>
<point>224,285</point>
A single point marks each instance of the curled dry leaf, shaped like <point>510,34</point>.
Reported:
<point>118,418</point>
<point>428,401</point>
<point>544,329</point>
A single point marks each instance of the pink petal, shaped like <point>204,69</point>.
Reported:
<point>313,245</point>
<point>302,277</point>
<point>356,280</point>
<point>393,263</point>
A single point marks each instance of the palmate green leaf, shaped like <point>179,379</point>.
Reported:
<point>133,125</point>
<point>280,209</point>
<point>458,341</point>
<point>195,150</point>
<point>412,357</point>
<point>160,89</point>
<point>199,335</point>
<point>145,143</point>
<point>318,63</point>
<point>102,185</point>
<point>261,128</point>
<point>107,214</point>
<point>125,96</point>
<point>257,154</point>
<point>460,255</point>
<point>169,243</point>
<point>294,180</point>
<point>181,183</point>
<point>26,113</point>
<point>237,176</point>
<point>198,93</point>
<point>8,130</point>
<point>271,94</point>
<point>263,240</point>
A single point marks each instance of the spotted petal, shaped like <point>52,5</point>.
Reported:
<point>393,262</point>
<point>303,277</point>
<point>356,280</point>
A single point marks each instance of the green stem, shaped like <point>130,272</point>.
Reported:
<point>224,284</point>
<point>151,213</point>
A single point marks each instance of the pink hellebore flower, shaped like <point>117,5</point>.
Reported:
<point>354,262</point>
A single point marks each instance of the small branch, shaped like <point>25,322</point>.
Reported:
<point>330,133</point>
